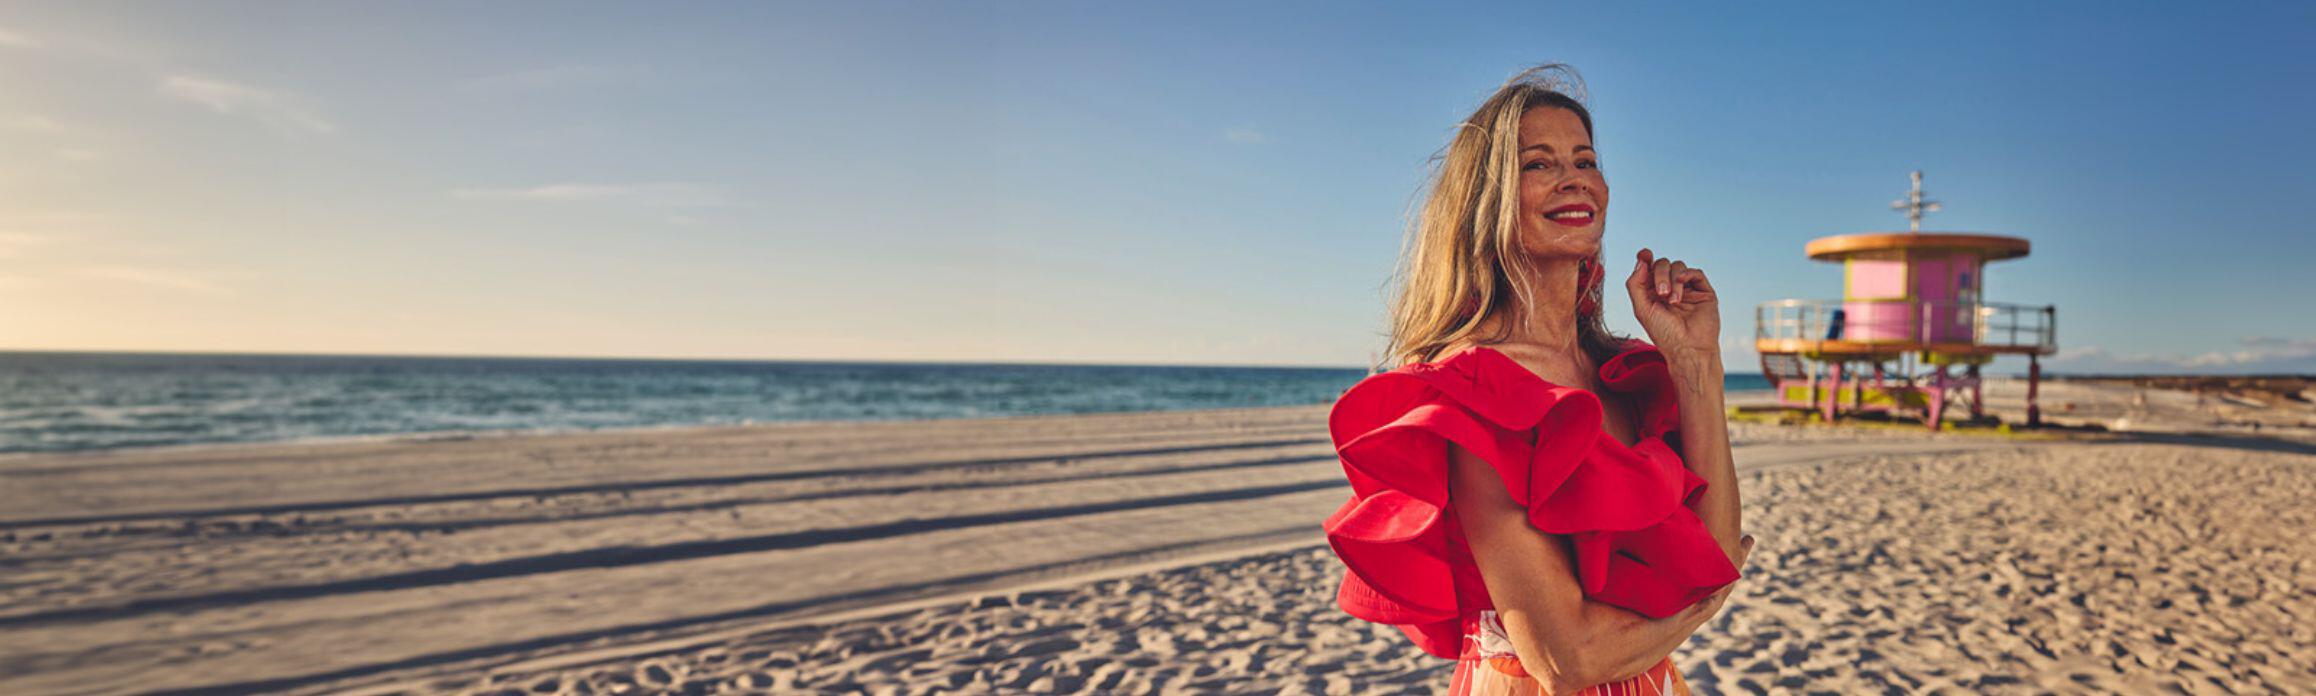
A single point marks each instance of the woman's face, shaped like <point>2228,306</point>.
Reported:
<point>1563,197</point>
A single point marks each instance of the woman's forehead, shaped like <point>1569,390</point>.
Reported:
<point>1558,129</point>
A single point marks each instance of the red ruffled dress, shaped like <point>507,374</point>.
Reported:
<point>1637,542</point>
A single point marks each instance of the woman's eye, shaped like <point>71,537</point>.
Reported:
<point>1539,164</point>
<point>1587,164</point>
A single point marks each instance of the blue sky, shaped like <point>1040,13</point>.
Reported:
<point>1081,182</point>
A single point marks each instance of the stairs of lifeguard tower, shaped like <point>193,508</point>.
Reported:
<point>1779,367</point>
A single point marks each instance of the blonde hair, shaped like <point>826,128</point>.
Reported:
<point>1463,246</point>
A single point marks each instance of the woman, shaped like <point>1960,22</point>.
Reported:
<point>1548,504</point>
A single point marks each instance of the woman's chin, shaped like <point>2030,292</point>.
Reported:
<point>1580,243</point>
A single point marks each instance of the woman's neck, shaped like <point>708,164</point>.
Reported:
<point>1549,323</point>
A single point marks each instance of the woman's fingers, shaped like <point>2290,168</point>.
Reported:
<point>1668,281</point>
<point>1662,274</point>
<point>1697,281</point>
<point>1699,288</point>
<point>1637,284</point>
<point>1713,602</point>
<point>1675,274</point>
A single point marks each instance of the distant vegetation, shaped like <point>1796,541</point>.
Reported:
<point>2266,389</point>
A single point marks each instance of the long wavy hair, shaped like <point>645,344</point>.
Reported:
<point>1461,262</point>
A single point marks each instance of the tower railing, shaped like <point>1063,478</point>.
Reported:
<point>1909,322</point>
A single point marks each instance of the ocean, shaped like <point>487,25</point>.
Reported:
<point>64,402</point>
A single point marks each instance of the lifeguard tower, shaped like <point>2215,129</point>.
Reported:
<point>1912,310</point>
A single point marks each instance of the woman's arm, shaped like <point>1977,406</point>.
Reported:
<point>1566,641</point>
<point>1704,435</point>
<point>1681,312</point>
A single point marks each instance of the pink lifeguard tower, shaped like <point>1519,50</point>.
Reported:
<point>1912,309</point>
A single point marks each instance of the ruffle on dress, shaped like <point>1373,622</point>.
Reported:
<point>1637,543</point>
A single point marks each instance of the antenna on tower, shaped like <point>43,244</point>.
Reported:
<point>1914,205</point>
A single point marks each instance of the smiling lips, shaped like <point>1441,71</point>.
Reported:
<point>1572,215</point>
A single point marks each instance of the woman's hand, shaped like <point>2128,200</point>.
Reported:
<point>1675,305</point>
<point>1687,621</point>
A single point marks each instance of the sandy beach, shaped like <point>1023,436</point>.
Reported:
<point>1119,553</point>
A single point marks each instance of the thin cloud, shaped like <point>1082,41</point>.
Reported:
<point>13,244</point>
<point>1245,136</point>
<point>34,123</point>
<point>12,39</point>
<point>153,277</point>
<point>667,194</point>
<point>277,109</point>
<point>53,217</point>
